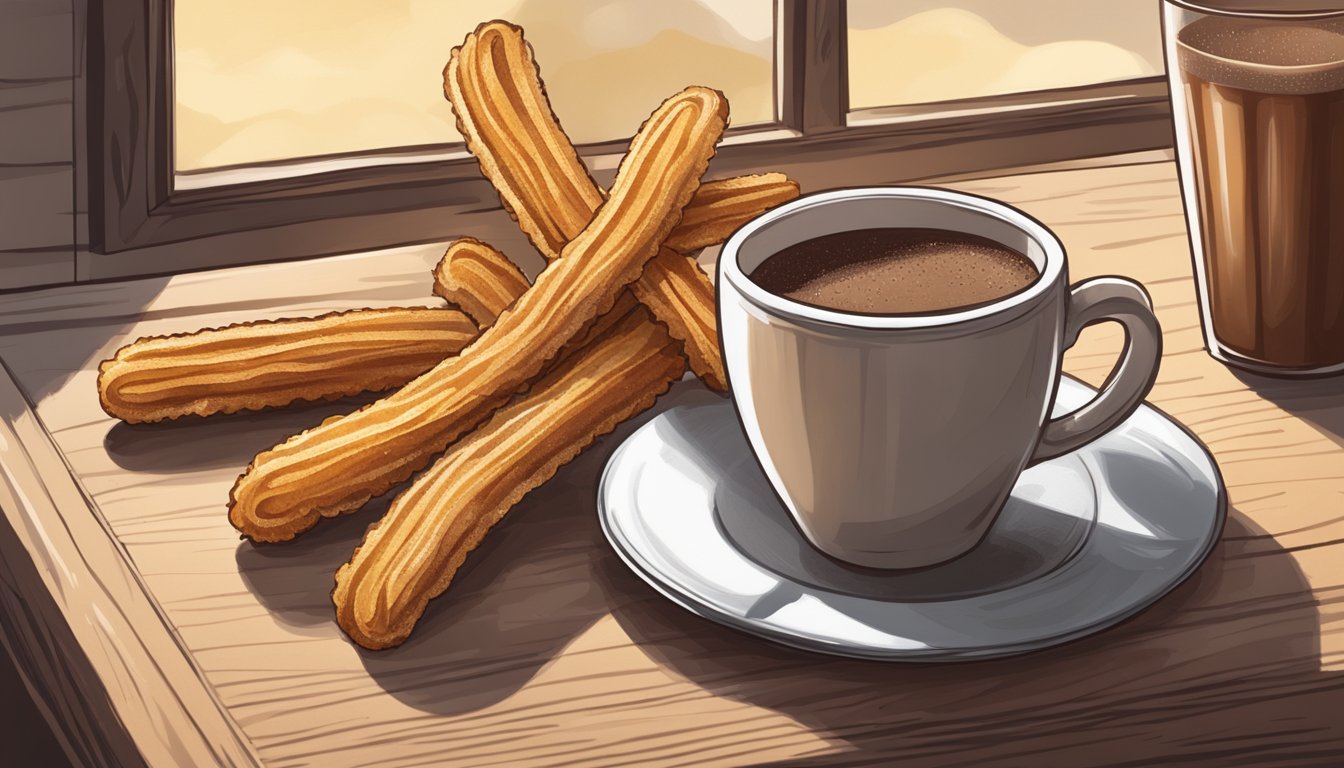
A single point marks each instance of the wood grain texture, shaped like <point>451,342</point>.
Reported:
<point>37,184</point>
<point>547,651</point>
<point>111,655</point>
<point>816,64</point>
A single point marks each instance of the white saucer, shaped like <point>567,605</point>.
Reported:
<point>1086,541</point>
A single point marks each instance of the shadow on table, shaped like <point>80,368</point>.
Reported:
<point>1319,402</point>
<point>190,444</point>
<point>522,596</point>
<point>1225,669</point>
<point>294,580</point>
<point>44,355</point>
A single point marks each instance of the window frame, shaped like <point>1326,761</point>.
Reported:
<point>416,194</point>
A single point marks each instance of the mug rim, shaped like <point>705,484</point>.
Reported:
<point>731,271</point>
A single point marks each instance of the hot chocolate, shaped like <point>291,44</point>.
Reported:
<point>895,271</point>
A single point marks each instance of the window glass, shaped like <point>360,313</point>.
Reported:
<point>918,51</point>
<point>262,80</point>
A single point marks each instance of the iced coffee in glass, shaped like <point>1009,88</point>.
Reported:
<point>1257,92</point>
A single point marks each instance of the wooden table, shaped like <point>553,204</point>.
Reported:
<point>154,635</point>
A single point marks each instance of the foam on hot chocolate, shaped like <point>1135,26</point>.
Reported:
<point>1267,56</point>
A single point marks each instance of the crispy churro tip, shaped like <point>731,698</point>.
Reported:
<point>335,468</point>
<point>552,223</point>
<point>507,122</point>
<point>478,279</point>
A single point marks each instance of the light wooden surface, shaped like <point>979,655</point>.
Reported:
<point>547,652</point>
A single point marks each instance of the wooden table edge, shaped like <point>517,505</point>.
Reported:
<point>93,646</point>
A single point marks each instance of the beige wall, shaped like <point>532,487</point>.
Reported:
<point>917,51</point>
<point>262,80</point>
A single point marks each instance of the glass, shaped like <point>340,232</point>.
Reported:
<point>261,80</point>
<point>918,51</point>
<point>1258,100</point>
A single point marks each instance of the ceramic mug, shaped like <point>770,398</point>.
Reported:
<point>894,440</point>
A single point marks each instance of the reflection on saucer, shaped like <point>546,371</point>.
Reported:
<point>1085,541</point>
<point>1041,526</point>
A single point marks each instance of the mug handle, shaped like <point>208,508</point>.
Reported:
<point>1093,301</point>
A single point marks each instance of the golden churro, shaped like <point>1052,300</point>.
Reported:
<point>506,120</point>
<point>478,279</point>
<point>472,269</point>
<point>721,206</point>
<point>336,467</point>
<point>411,556</point>
<point>273,363</point>
<point>718,208</point>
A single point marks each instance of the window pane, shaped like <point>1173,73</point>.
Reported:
<point>917,51</point>
<point>259,80</point>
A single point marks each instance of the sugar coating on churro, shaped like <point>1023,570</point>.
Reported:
<point>412,554</point>
<point>338,466</point>
<point>506,119</point>
<point>272,363</point>
<point>720,207</point>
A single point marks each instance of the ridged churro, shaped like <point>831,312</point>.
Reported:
<point>721,206</point>
<point>718,208</point>
<point>473,268</point>
<point>478,279</point>
<point>336,467</point>
<point>506,120</point>
<point>411,556</point>
<point>272,363</point>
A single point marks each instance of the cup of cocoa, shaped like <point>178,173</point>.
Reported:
<point>893,355</point>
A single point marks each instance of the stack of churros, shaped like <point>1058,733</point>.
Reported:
<point>510,382</point>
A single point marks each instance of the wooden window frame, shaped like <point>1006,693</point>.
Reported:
<point>398,196</point>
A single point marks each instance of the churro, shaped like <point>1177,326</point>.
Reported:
<point>506,120</point>
<point>721,206</point>
<point>338,466</point>
<point>268,364</point>
<point>271,364</point>
<point>718,208</point>
<point>472,269</point>
<point>478,279</point>
<point>412,554</point>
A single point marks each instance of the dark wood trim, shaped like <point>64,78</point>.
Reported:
<point>790,37</point>
<point>959,143</point>
<point>1147,92</point>
<point>960,140</point>
<point>814,65</point>
<point>134,210</point>
<point>122,195</point>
